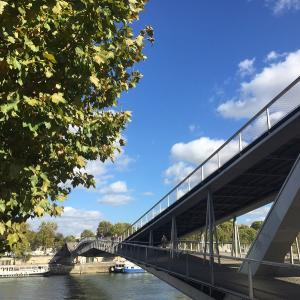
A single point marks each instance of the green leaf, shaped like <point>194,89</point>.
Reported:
<point>12,238</point>
<point>30,44</point>
<point>50,57</point>
<point>11,39</point>
<point>2,206</point>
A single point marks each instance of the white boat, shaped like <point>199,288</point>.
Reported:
<point>23,270</point>
<point>126,267</point>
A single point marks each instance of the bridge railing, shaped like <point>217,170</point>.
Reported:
<point>219,272</point>
<point>275,111</point>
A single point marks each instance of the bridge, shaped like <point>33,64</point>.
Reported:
<point>259,164</point>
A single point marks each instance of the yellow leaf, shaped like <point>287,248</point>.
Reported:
<point>45,185</point>
<point>61,197</point>
<point>31,101</point>
<point>2,228</point>
<point>58,98</point>
<point>99,59</point>
<point>139,40</point>
<point>94,80</point>
<point>81,161</point>
<point>39,211</point>
<point>2,5</point>
<point>57,9</point>
<point>50,57</point>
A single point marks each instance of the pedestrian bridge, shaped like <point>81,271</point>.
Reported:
<point>258,165</point>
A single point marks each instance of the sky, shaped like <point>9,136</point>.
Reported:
<point>213,65</point>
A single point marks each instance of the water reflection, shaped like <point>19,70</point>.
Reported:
<point>88,287</point>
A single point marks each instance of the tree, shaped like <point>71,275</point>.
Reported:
<point>46,235</point>
<point>105,229</point>
<point>119,228</point>
<point>63,66</point>
<point>23,248</point>
<point>59,241</point>
<point>87,233</point>
<point>247,234</point>
<point>225,232</point>
<point>70,239</point>
<point>256,225</point>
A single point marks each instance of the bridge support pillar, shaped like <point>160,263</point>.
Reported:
<point>173,236</point>
<point>151,238</point>
<point>210,233</point>
<point>235,244</point>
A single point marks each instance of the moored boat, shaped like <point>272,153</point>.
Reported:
<point>126,267</point>
<point>23,270</point>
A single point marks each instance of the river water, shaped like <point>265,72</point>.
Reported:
<point>89,287</point>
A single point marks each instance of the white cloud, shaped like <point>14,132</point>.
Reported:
<point>279,6</point>
<point>115,187</point>
<point>263,87</point>
<point>72,221</point>
<point>177,172</point>
<point>273,56</point>
<point>123,162</point>
<point>148,194</point>
<point>115,199</point>
<point>103,171</point>
<point>187,156</point>
<point>246,67</point>
<point>195,151</point>
<point>96,167</point>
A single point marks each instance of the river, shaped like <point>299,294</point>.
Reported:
<point>89,287</point>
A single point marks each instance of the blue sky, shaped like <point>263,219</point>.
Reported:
<point>212,66</point>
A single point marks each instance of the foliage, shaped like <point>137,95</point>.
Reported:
<point>119,228</point>
<point>256,225</point>
<point>105,229</point>
<point>70,238</point>
<point>46,235</point>
<point>63,65</point>
<point>59,241</point>
<point>23,249</point>
<point>225,232</point>
<point>247,234</point>
<point>87,233</point>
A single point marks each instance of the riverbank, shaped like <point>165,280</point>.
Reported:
<point>87,268</point>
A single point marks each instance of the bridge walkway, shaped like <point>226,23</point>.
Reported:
<point>226,277</point>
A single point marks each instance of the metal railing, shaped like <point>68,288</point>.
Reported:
<point>216,271</point>
<point>185,264</point>
<point>275,111</point>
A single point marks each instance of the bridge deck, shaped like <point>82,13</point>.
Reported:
<point>192,267</point>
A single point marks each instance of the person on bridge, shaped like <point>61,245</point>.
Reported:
<point>164,241</point>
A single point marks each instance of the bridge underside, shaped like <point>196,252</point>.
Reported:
<point>241,185</point>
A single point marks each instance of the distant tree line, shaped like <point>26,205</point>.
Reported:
<point>225,232</point>
<point>47,236</point>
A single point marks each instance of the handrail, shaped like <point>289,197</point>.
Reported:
<point>243,259</point>
<point>125,234</point>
